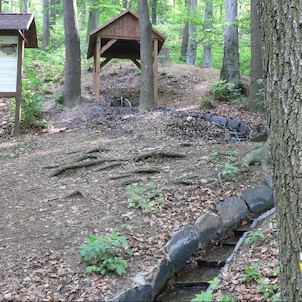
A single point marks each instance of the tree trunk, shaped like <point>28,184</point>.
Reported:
<point>283,68</point>
<point>256,79</point>
<point>93,21</point>
<point>53,12</point>
<point>147,98</point>
<point>0,6</point>
<point>192,43</point>
<point>185,38</point>
<point>72,78</point>
<point>230,71</point>
<point>154,12</point>
<point>46,24</point>
<point>26,6</point>
<point>207,48</point>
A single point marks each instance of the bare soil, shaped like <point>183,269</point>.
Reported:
<point>45,218</point>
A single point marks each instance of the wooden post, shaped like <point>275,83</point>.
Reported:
<point>97,68</point>
<point>155,68</point>
<point>19,87</point>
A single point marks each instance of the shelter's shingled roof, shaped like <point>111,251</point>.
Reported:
<point>124,28</point>
<point>11,23</point>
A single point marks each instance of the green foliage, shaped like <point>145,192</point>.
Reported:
<point>255,237</point>
<point>268,290</point>
<point>233,155</point>
<point>252,273</point>
<point>214,283</point>
<point>230,170</point>
<point>148,198</point>
<point>228,299</point>
<point>106,253</point>
<point>206,103</point>
<point>215,156</point>
<point>203,297</point>
<point>224,91</point>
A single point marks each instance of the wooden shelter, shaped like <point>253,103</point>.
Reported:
<point>120,38</point>
<point>16,32</point>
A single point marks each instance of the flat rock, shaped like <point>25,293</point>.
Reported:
<point>232,211</point>
<point>234,124</point>
<point>259,199</point>
<point>139,293</point>
<point>210,227</point>
<point>269,182</point>
<point>182,245</point>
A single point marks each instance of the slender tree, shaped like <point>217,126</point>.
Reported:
<point>283,69</point>
<point>26,6</point>
<point>230,71</point>
<point>72,77</point>
<point>256,78</point>
<point>207,47</point>
<point>147,98</point>
<point>192,43</point>
<point>93,20</point>
<point>154,12</point>
<point>46,24</point>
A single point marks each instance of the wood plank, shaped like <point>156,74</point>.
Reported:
<point>19,87</point>
<point>108,45</point>
<point>105,62</point>
<point>97,68</point>
<point>155,68</point>
<point>136,63</point>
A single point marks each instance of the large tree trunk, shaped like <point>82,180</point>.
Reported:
<point>53,12</point>
<point>147,98</point>
<point>46,24</point>
<point>283,69</point>
<point>93,21</point>
<point>72,78</point>
<point>256,79</point>
<point>184,44</point>
<point>192,43</point>
<point>230,71</point>
<point>207,48</point>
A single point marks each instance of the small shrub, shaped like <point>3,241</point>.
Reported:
<point>255,237</point>
<point>230,170</point>
<point>149,198</point>
<point>106,253</point>
<point>206,103</point>
<point>252,273</point>
<point>203,297</point>
<point>214,156</point>
<point>224,91</point>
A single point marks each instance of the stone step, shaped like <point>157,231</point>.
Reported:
<point>216,257</point>
<point>232,240</point>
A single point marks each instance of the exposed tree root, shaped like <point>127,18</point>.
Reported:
<point>261,155</point>
<point>75,166</point>
<point>108,166</point>
<point>161,154</point>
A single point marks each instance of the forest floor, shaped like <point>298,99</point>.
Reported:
<point>61,185</point>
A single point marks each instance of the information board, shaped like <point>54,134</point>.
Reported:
<point>8,63</point>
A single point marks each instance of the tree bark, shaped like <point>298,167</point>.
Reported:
<point>72,77</point>
<point>283,68</point>
<point>184,44</point>
<point>154,12</point>
<point>192,43</point>
<point>207,48</point>
<point>0,6</point>
<point>147,98</point>
<point>53,12</point>
<point>26,6</point>
<point>93,21</point>
<point>46,24</point>
<point>230,71</point>
<point>256,79</point>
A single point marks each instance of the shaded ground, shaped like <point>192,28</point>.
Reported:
<point>44,219</point>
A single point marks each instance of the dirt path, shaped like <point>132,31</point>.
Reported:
<point>44,219</point>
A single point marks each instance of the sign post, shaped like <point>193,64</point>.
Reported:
<point>17,31</point>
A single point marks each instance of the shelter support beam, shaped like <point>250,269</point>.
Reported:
<point>105,62</point>
<point>108,45</point>
<point>136,63</point>
<point>97,68</point>
<point>155,68</point>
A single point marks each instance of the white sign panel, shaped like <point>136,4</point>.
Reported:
<point>8,63</point>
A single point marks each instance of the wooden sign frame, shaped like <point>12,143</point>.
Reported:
<point>17,92</point>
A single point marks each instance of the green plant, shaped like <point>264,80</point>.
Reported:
<point>106,253</point>
<point>255,237</point>
<point>206,103</point>
<point>233,155</point>
<point>230,170</point>
<point>252,273</point>
<point>203,297</point>
<point>215,156</point>
<point>268,290</point>
<point>149,198</point>
<point>224,91</point>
